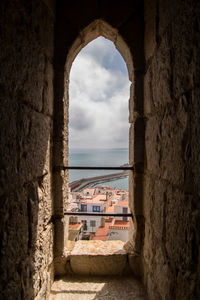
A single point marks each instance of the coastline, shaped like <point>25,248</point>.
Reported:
<point>79,185</point>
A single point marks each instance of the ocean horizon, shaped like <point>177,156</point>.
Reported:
<point>98,157</point>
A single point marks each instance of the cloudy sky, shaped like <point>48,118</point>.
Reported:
<point>99,93</point>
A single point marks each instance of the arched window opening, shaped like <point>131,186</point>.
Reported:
<point>97,205</point>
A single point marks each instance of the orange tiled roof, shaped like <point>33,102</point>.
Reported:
<point>102,233</point>
<point>122,203</point>
<point>110,209</point>
<point>75,226</point>
<point>119,224</point>
<point>100,199</point>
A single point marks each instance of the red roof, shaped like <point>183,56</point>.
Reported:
<point>119,224</point>
<point>110,209</point>
<point>102,232</point>
<point>75,226</point>
<point>122,203</point>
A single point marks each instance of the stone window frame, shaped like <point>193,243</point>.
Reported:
<point>136,137</point>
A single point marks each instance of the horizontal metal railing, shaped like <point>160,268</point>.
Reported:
<point>125,168</point>
<point>93,168</point>
<point>98,214</point>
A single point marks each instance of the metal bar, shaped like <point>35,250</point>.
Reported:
<point>97,214</point>
<point>92,168</point>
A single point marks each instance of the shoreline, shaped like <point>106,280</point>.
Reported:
<point>79,185</point>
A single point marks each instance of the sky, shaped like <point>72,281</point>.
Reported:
<point>99,91</point>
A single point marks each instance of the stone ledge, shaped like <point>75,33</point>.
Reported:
<point>98,258</point>
<point>98,248</point>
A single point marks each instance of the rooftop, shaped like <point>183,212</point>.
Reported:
<point>122,203</point>
<point>119,224</point>
<point>96,199</point>
<point>110,209</point>
<point>76,226</point>
<point>102,232</point>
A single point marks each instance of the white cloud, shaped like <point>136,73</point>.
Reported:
<point>98,99</point>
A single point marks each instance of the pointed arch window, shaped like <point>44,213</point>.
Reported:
<point>81,121</point>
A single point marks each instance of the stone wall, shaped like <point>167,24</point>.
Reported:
<point>164,138</point>
<point>171,180</point>
<point>26,93</point>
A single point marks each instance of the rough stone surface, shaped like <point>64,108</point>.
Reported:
<point>171,107</point>
<point>98,258</point>
<point>86,288</point>
<point>98,248</point>
<point>26,96</point>
<point>162,38</point>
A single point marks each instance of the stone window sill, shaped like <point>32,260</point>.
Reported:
<point>97,258</point>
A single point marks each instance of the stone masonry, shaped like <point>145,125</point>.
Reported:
<point>171,111</point>
<point>26,92</point>
<point>159,40</point>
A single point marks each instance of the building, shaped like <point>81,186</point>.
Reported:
<point>102,232</point>
<point>121,207</point>
<point>100,200</point>
<point>75,231</point>
<point>114,228</point>
<point>118,230</point>
<point>96,204</point>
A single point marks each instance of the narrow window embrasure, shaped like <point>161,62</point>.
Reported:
<point>98,195</point>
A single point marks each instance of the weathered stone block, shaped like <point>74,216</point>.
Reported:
<point>149,246</point>
<point>158,209</point>
<point>183,41</point>
<point>43,259</point>
<point>59,192</point>
<point>193,145</point>
<point>59,242</point>
<point>45,200</point>
<point>153,144</point>
<point>148,93</point>
<point>98,258</point>
<point>154,206</point>
<point>161,273</point>
<point>178,211</point>
<point>148,196</point>
<point>150,28</point>
<point>135,264</point>
<point>48,89</point>
<point>162,73</point>
<point>166,136</point>
<point>34,140</point>
<point>167,10</point>
<point>173,133</point>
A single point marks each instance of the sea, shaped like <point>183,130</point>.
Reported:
<point>109,157</point>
